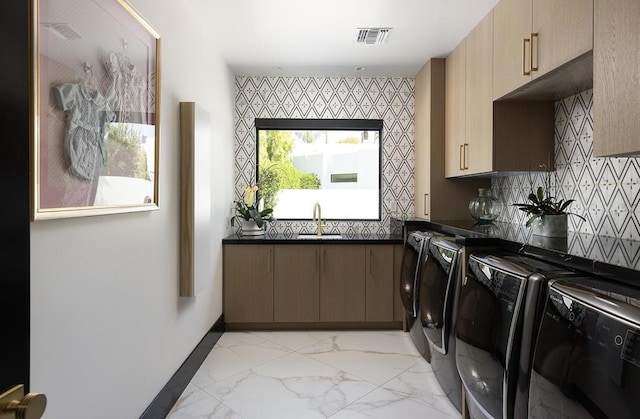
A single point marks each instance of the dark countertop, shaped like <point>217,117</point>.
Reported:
<point>609,257</point>
<point>293,239</point>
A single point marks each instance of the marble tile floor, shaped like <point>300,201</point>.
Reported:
<point>315,374</point>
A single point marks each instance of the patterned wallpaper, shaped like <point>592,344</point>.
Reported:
<point>606,190</point>
<point>390,99</point>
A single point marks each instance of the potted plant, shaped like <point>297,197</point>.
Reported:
<point>249,213</point>
<point>547,216</point>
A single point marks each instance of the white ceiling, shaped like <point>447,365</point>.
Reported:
<point>318,38</point>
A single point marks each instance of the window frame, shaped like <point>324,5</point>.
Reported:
<point>290,124</point>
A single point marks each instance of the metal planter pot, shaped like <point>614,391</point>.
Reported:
<point>551,226</point>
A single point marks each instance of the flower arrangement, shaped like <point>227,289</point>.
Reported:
<point>250,209</point>
<point>544,203</point>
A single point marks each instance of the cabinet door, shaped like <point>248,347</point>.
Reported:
<point>511,26</point>
<point>398,309</point>
<point>455,92</point>
<point>248,283</point>
<point>422,151</point>
<point>565,31</point>
<point>616,71</point>
<point>479,98</point>
<point>342,283</point>
<point>379,283</point>
<point>296,283</point>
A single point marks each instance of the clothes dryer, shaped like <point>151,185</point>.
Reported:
<point>415,248</point>
<point>439,285</point>
<point>587,353</point>
<point>498,313</point>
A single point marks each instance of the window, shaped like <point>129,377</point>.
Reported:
<point>335,162</point>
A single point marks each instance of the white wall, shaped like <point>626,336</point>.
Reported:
<point>108,328</point>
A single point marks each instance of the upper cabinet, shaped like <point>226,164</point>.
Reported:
<point>616,75</point>
<point>477,150</point>
<point>437,198</point>
<point>469,112</point>
<point>483,136</point>
<point>455,112</point>
<point>533,37</point>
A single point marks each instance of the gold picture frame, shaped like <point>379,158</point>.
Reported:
<point>95,98</point>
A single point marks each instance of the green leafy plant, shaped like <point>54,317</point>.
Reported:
<point>544,203</point>
<point>248,209</point>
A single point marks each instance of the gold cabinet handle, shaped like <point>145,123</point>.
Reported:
<point>426,204</point>
<point>525,41</point>
<point>461,158</point>
<point>533,35</point>
<point>466,156</point>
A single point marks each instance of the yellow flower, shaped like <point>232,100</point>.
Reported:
<point>250,195</point>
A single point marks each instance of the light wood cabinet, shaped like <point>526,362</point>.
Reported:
<point>534,37</point>
<point>248,283</point>
<point>342,283</point>
<point>379,283</point>
<point>469,127</point>
<point>511,27</point>
<point>455,112</point>
<point>436,197</point>
<point>477,149</point>
<point>499,136</point>
<point>565,31</point>
<point>616,90</point>
<point>296,283</point>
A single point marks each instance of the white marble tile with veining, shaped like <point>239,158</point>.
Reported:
<point>236,352</point>
<point>195,404</point>
<point>355,353</point>
<point>293,386</point>
<point>420,384</point>
<point>296,340</point>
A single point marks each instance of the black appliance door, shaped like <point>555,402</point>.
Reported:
<point>411,256</point>
<point>587,356</point>
<point>437,283</point>
<point>487,316</point>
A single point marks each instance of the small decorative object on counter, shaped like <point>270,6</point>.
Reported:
<point>250,213</point>
<point>547,216</point>
<point>485,208</point>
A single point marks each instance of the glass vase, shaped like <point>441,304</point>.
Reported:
<point>484,208</point>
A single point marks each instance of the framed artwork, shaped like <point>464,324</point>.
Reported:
<point>95,109</point>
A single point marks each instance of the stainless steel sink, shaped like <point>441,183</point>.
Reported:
<point>323,237</point>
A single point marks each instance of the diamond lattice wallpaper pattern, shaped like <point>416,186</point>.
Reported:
<point>606,190</point>
<point>390,99</point>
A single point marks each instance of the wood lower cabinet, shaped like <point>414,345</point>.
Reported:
<point>296,294</point>
<point>342,283</point>
<point>315,285</point>
<point>379,283</point>
<point>248,283</point>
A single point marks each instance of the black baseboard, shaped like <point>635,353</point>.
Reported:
<point>164,401</point>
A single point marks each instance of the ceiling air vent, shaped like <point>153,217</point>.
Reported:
<point>373,36</point>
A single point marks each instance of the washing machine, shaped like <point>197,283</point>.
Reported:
<point>439,284</point>
<point>498,312</point>
<point>587,353</point>
<point>412,261</point>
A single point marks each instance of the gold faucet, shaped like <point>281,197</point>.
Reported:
<point>317,213</point>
